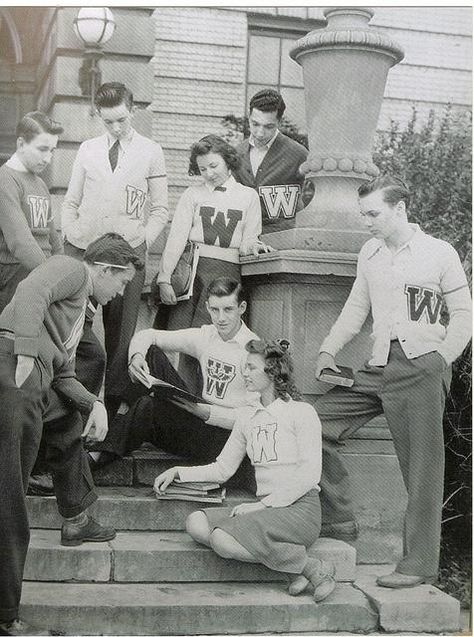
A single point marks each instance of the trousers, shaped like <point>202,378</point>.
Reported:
<point>28,413</point>
<point>411,393</point>
<point>168,427</point>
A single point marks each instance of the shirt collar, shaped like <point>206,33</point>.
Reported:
<point>380,244</point>
<point>123,142</point>
<point>267,145</point>
<point>16,164</point>
<point>274,407</point>
<point>228,184</point>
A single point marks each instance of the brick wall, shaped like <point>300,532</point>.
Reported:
<point>201,68</point>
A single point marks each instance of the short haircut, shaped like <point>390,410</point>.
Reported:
<point>278,367</point>
<point>225,286</point>
<point>112,248</point>
<point>394,189</point>
<point>35,123</point>
<point>213,144</point>
<point>268,101</point>
<point>113,94</point>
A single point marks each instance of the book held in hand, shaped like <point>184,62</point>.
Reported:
<point>171,392</point>
<point>192,491</point>
<point>344,377</point>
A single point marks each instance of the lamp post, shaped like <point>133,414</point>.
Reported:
<point>94,26</point>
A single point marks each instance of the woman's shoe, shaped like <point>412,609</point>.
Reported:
<point>321,574</point>
<point>298,585</point>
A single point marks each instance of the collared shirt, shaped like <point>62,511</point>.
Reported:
<point>283,442</point>
<point>405,291</point>
<point>227,184</point>
<point>222,364</point>
<point>16,164</point>
<point>124,143</point>
<point>257,153</point>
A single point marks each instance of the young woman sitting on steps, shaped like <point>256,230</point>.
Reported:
<point>282,438</point>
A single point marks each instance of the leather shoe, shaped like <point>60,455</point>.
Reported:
<point>20,628</point>
<point>40,484</point>
<point>347,531</point>
<point>73,535</point>
<point>400,580</point>
<point>298,585</point>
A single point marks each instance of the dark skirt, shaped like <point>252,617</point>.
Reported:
<point>193,312</point>
<point>276,537</point>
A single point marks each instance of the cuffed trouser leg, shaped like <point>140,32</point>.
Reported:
<point>20,435</point>
<point>67,460</point>
<point>413,399</point>
<point>342,411</point>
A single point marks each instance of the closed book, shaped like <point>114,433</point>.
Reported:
<point>215,496</point>
<point>344,377</point>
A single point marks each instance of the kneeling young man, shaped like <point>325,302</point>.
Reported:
<point>403,278</point>
<point>39,394</point>
<point>193,430</point>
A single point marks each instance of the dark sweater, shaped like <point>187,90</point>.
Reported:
<point>46,318</point>
<point>27,232</point>
<point>278,181</point>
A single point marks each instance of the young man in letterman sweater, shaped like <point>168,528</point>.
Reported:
<point>112,178</point>
<point>403,278</point>
<point>196,431</point>
<point>27,232</point>
<point>270,163</point>
<point>28,237</point>
<point>39,394</point>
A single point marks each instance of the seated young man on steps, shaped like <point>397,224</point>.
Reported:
<point>40,395</point>
<point>197,431</point>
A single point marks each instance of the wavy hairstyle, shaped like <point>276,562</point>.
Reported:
<point>278,366</point>
<point>212,144</point>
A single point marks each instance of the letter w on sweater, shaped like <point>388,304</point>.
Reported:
<point>280,200</point>
<point>39,210</point>
<point>218,228</point>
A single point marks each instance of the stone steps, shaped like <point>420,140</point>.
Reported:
<point>192,609</point>
<point>128,509</point>
<point>164,556</point>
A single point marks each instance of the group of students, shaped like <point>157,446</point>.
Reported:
<point>251,421</point>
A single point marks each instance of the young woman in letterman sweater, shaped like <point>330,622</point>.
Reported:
<point>219,215</point>
<point>282,438</point>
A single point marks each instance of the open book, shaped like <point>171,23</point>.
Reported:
<point>344,377</point>
<point>193,491</point>
<point>170,392</point>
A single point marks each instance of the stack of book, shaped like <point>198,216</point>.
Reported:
<point>193,491</point>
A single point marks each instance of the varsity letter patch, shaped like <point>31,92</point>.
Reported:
<point>280,200</point>
<point>423,303</point>
<point>221,228</point>
<point>135,201</point>
<point>39,211</point>
<point>218,377</point>
<point>264,443</point>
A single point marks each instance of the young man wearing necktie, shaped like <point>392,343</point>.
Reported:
<point>112,178</point>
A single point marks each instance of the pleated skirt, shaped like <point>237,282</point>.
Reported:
<point>275,537</point>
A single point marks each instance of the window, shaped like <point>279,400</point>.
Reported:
<point>270,66</point>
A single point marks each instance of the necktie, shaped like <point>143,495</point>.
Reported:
<point>220,188</point>
<point>113,154</point>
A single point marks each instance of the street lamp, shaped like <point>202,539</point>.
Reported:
<point>94,26</point>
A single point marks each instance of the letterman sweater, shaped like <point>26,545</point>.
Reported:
<point>278,181</point>
<point>99,200</point>
<point>45,319</point>
<point>222,363</point>
<point>223,223</point>
<point>27,232</point>
<point>283,442</point>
